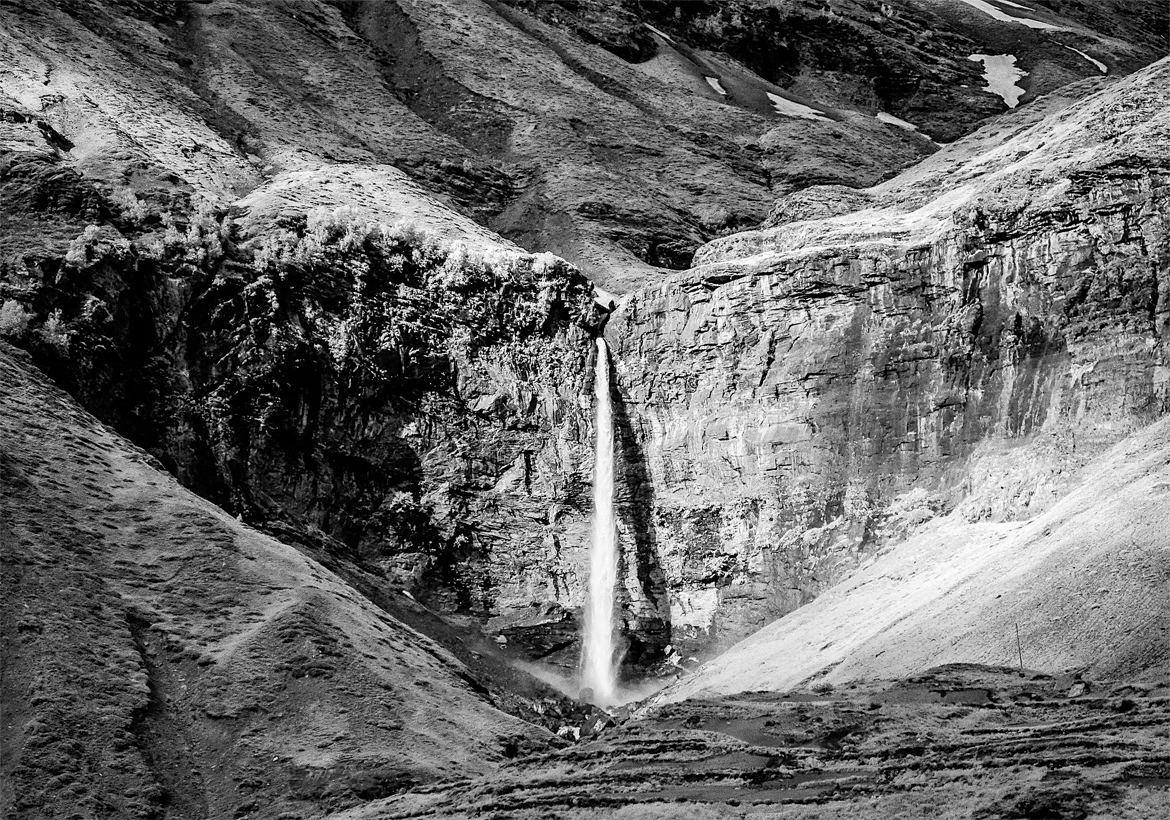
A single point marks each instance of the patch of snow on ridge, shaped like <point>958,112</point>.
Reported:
<point>890,119</point>
<point>1104,69</point>
<point>714,83</point>
<point>1001,75</point>
<point>1004,17</point>
<point>790,108</point>
<point>661,34</point>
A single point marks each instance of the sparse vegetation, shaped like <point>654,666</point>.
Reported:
<point>14,320</point>
<point>55,332</point>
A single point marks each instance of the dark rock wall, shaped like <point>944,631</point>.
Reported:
<point>426,411</point>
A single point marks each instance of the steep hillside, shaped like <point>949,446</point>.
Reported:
<point>619,136</point>
<point>1085,583</point>
<point>161,658</point>
<point>326,103</point>
<point>909,61</point>
<point>964,336</point>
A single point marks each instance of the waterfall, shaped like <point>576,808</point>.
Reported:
<point>597,669</point>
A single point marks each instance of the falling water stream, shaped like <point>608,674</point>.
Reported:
<point>597,668</point>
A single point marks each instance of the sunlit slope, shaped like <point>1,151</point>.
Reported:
<point>446,113</point>
<point>159,653</point>
<point>1087,583</point>
<point>1023,164</point>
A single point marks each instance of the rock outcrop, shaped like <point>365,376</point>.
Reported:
<point>976,331</point>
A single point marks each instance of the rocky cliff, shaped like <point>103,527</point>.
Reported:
<point>1079,589</point>
<point>961,337</point>
<point>257,239</point>
<point>419,409</point>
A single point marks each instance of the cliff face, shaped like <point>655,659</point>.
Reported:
<point>1078,588</point>
<point>423,411</point>
<point>235,299</point>
<point>978,329</point>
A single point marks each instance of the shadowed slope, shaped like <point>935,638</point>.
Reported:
<point>159,654</point>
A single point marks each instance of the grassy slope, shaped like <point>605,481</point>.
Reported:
<point>188,661</point>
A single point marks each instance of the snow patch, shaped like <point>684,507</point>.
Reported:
<point>661,34</point>
<point>890,119</point>
<point>790,108</point>
<point>1003,16</point>
<point>714,83</point>
<point>1104,69</point>
<point>1002,76</point>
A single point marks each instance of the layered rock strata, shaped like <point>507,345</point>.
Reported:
<point>966,337</point>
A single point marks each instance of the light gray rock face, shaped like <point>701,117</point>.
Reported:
<point>816,390</point>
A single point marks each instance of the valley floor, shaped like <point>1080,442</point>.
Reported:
<point>960,741</point>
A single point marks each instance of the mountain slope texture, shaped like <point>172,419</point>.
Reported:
<point>164,654</point>
<point>299,302</point>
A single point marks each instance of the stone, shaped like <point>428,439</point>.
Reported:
<point>814,390</point>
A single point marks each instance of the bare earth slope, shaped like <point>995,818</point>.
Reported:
<point>907,58</point>
<point>159,656</point>
<point>567,148</point>
<point>1086,583</point>
<point>545,130</point>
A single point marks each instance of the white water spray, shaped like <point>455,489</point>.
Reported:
<point>597,670</point>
